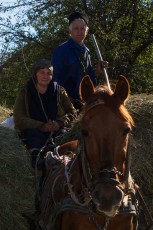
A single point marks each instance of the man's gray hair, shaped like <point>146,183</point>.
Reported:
<point>70,26</point>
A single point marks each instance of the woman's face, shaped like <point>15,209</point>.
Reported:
<point>78,30</point>
<point>43,77</point>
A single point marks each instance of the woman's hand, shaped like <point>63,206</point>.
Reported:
<point>50,126</point>
<point>55,125</point>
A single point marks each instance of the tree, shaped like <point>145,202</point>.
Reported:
<point>124,32</point>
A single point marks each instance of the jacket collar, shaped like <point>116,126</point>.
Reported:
<point>72,44</point>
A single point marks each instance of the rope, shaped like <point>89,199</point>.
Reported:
<point>72,194</point>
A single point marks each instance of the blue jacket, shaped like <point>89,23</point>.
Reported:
<point>67,67</point>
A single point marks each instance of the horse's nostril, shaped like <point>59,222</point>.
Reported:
<point>96,194</point>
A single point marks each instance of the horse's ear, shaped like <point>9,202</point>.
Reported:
<point>122,90</point>
<point>86,88</point>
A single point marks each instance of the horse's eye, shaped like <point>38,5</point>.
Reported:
<point>126,131</point>
<point>84,132</point>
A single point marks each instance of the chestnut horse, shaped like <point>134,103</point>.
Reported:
<point>94,190</point>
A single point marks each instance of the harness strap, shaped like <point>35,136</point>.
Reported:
<point>67,204</point>
<point>128,207</point>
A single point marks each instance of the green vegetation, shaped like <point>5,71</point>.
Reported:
<point>123,29</point>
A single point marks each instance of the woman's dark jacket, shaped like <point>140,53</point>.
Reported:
<point>28,111</point>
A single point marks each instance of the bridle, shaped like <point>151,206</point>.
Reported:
<point>108,174</point>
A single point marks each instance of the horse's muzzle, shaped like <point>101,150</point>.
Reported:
<point>107,198</point>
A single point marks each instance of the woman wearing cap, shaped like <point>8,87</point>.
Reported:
<point>71,60</point>
<point>41,108</point>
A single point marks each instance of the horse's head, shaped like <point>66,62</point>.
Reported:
<point>105,127</point>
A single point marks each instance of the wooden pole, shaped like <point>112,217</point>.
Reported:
<point>100,58</point>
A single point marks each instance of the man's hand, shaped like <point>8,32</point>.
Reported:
<point>101,65</point>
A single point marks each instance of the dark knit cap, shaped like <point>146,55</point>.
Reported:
<point>77,15</point>
<point>41,64</point>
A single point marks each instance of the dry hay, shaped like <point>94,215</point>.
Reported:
<point>4,113</point>
<point>17,189</point>
<point>141,108</point>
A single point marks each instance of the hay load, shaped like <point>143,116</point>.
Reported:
<point>17,186</point>
<point>141,108</point>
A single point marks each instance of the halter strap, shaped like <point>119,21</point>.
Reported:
<point>94,104</point>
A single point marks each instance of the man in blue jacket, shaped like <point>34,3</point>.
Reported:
<point>71,60</point>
